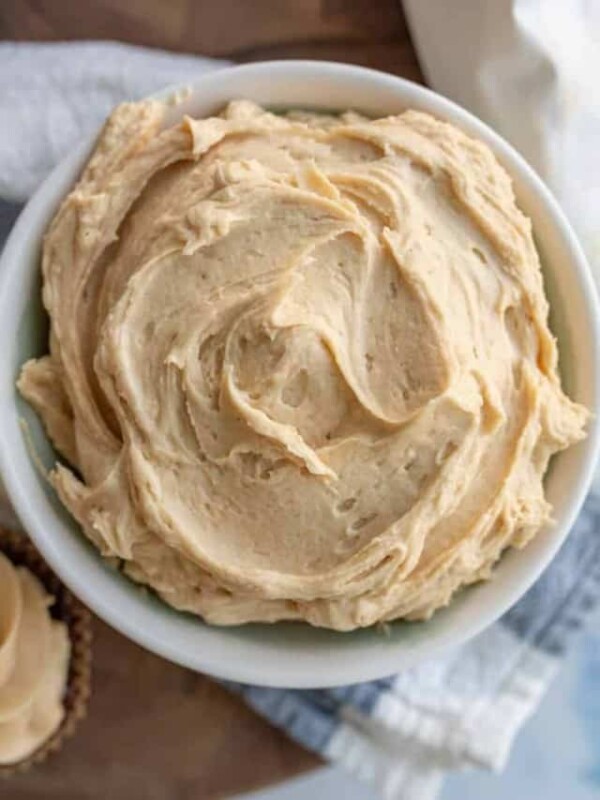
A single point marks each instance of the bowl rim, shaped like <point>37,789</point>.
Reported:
<point>307,672</point>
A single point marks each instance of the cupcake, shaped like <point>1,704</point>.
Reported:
<point>44,657</point>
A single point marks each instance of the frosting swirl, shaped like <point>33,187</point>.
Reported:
<point>34,660</point>
<point>300,363</point>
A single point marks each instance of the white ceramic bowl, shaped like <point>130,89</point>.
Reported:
<point>293,655</point>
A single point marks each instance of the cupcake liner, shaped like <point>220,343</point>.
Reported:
<point>67,609</point>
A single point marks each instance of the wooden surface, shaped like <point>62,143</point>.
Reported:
<point>368,32</point>
<point>155,731</point>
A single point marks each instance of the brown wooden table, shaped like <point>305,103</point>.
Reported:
<point>156,731</point>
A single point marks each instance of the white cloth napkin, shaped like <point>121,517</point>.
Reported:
<point>526,66</point>
<point>530,69</point>
<point>54,95</point>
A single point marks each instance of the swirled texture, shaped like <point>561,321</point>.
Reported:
<point>300,364</point>
<point>34,661</point>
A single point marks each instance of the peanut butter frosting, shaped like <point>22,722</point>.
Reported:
<point>34,661</point>
<point>300,365</point>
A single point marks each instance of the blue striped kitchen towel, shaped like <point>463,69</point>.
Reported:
<point>404,733</point>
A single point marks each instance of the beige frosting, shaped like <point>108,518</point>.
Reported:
<point>34,661</point>
<point>300,365</point>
